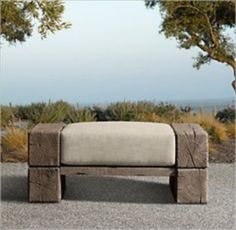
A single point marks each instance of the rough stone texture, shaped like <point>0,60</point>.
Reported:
<point>117,203</point>
<point>44,145</point>
<point>190,186</point>
<point>44,184</point>
<point>191,146</point>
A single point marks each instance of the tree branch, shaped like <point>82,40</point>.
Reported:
<point>211,52</point>
<point>213,38</point>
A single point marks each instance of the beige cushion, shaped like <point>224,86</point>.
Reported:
<point>118,143</point>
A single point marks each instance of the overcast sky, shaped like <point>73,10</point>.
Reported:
<point>113,52</point>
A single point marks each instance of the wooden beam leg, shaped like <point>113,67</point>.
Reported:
<point>190,186</point>
<point>44,184</point>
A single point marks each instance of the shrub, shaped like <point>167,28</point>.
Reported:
<point>61,111</point>
<point>14,144</point>
<point>7,115</point>
<point>30,112</point>
<point>226,115</point>
<point>53,112</point>
<point>100,113</point>
<point>168,112</point>
<point>215,129</point>
<point>141,111</point>
<point>80,115</point>
<point>121,111</point>
<point>186,109</point>
<point>150,117</point>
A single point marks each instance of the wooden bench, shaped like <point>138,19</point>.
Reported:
<point>188,175</point>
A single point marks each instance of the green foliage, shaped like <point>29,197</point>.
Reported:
<point>7,115</point>
<point>122,111</point>
<point>200,24</point>
<point>18,18</point>
<point>80,115</point>
<point>169,111</point>
<point>139,111</point>
<point>186,109</point>
<point>226,115</point>
<point>53,112</point>
<point>30,112</point>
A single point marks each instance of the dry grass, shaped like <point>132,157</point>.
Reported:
<point>14,145</point>
<point>217,131</point>
<point>230,129</point>
<point>150,117</point>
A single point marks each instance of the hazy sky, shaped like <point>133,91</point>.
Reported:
<point>112,53</point>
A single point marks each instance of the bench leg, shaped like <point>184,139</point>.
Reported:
<point>189,186</point>
<point>44,184</point>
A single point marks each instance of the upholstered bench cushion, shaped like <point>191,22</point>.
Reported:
<point>118,143</point>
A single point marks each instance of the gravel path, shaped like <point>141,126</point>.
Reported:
<point>117,202</point>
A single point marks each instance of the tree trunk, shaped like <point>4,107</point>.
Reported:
<point>234,85</point>
<point>234,81</point>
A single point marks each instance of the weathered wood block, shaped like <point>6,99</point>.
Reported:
<point>44,145</point>
<point>117,171</point>
<point>191,146</point>
<point>190,186</point>
<point>44,184</point>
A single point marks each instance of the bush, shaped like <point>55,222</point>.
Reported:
<point>125,111</point>
<point>53,112</point>
<point>30,112</point>
<point>168,112</point>
<point>80,115</point>
<point>61,111</point>
<point>7,115</point>
<point>226,115</point>
<point>14,145</point>
<point>150,117</point>
<point>186,109</point>
<point>141,111</point>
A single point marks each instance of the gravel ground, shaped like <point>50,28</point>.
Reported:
<point>117,202</point>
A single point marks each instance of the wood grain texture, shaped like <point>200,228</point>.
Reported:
<point>119,171</point>
<point>191,146</point>
<point>190,186</point>
<point>44,184</point>
<point>44,144</point>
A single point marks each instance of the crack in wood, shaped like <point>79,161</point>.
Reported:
<point>186,135</point>
<point>41,185</point>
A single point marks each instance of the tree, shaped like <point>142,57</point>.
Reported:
<point>19,16</point>
<point>202,24</point>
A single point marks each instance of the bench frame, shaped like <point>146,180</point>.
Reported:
<point>188,178</point>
